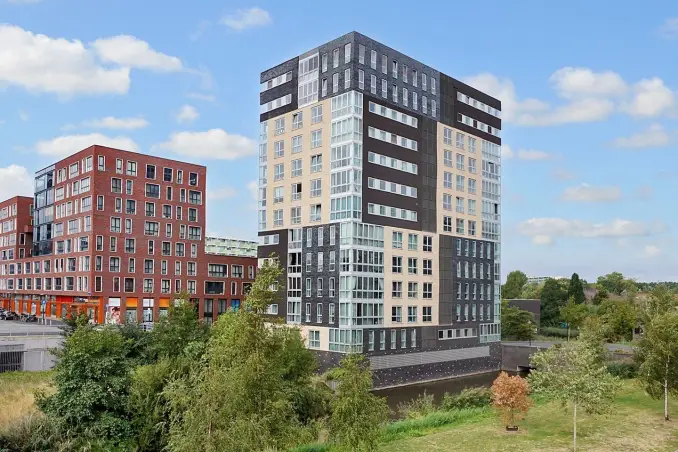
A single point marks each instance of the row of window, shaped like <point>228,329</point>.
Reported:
<point>315,214</point>
<point>459,204</point>
<point>412,290</point>
<point>8,211</point>
<point>460,226</point>
<point>395,93</point>
<point>390,113</point>
<point>473,270</point>
<point>460,140</point>
<point>412,265</point>
<point>474,291</point>
<point>461,97</point>
<point>297,122</point>
<point>74,170</point>
<point>126,285</point>
<point>392,138</point>
<point>412,314</point>
<point>382,339</point>
<point>129,168</point>
<point>391,212</point>
<point>478,125</point>
<point>297,144</point>
<point>296,167</point>
<point>153,191</point>
<point>82,263</point>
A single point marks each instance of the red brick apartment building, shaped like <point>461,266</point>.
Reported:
<point>115,234</point>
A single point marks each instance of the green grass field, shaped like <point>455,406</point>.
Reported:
<point>635,424</point>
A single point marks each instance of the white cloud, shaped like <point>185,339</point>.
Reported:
<point>129,51</point>
<point>43,64</point>
<point>23,115</point>
<point>221,193</point>
<point>524,154</point>
<point>200,96</point>
<point>653,136</point>
<point>247,18</point>
<point>561,227</point>
<point>15,180</point>
<point>111,122</point>
<point>40,63</point>
<point>669,29</point>
<point>68,144</point>
<point>531,154</point>
<point>214,144</point>
<point>572,82</point>
<point>588,193</point>
<point>589,96</point>
<point>650,251</point>
<point>542,240</point>
<point>187,113</point>
<point>651,98</point>
<point>534,112</point>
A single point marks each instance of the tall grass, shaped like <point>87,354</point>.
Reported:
<point>17,394</point>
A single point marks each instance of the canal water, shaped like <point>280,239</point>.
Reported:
<point>404,394</point>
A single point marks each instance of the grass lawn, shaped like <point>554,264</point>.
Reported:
<point>635,424</point>
<point>16,394</point>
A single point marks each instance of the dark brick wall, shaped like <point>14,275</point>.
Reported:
<point>280,250</point>
<point>413,374</point>
<point>533,306</point>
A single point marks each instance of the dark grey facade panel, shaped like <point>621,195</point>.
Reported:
<point>289,65</point>
<point>326,274</point>
<point>478,115</point>
<point>479,133</point>
<point>428,172</point>
<point>425,158</point>
<point>280,250</point>
<point>446,273</point>
<point>428,372</point>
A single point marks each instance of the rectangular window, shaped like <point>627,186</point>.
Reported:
<point>361,79</point>
<point>316,114</point>
<point>347,79</point>
<point>396,314</point>
<point>316,138</point>
<point>397,240</point>
<point>411,314</point>
<point>316,163</point>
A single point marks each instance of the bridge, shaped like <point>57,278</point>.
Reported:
<point>27,346</point>
<point>515,355</point>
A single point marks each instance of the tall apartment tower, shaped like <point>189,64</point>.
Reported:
<point>379,191</point>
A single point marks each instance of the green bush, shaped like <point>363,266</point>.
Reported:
<point>468,398</point>
<point>623,370</point>
<point>417,408</point>
<point>552,331</point>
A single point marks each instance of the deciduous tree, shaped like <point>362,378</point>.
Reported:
<point>517,324</point>
<point>572,374</point>
<point>514,285</point>
<point>553,296</point>
<point>510,395</point>
<point>92,380</point>
<point>357,415</point>
<point>657,356</point>
<point>573,314</point>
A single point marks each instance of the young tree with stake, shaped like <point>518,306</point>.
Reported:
<point>574,375</point>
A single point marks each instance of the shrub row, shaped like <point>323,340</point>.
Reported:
<point>623,370</point>
<point>552,331</point>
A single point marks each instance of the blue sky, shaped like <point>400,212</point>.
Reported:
<point>588,92</point>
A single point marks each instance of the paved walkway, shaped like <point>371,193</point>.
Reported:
<point>16,328</point>
<point>547,344</point>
